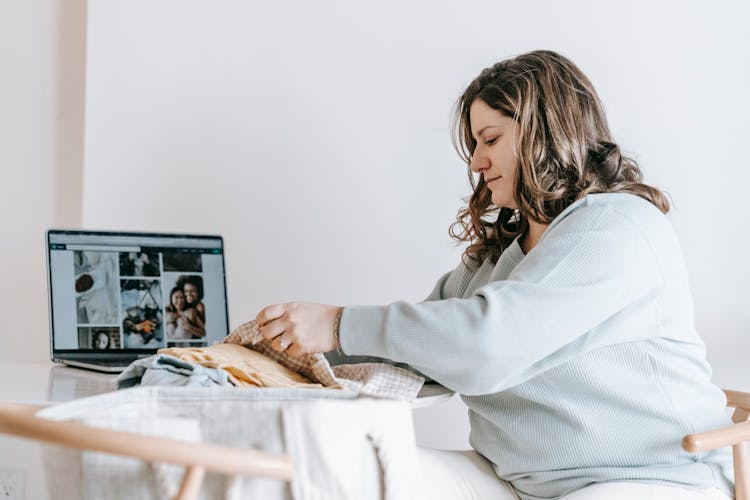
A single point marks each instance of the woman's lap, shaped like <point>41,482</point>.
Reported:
<point>466,475</point>
<point>460,475</point>
<point>626,491</point>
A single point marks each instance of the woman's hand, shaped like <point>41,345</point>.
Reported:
<point>299,327</point>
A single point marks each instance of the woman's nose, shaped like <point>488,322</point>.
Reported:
<point>479,163</point>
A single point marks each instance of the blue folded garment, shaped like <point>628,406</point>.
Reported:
<point>163,369</point>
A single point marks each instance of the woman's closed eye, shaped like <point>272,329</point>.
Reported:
<point>490,142</point>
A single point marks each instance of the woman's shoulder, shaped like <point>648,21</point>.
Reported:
<point>625,203</point>
<point>610,210</point>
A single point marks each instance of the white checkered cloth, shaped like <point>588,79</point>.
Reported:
<point>367,379</point>
<point>343,447</point>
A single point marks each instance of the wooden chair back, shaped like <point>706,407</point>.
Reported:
<point>735,436</point>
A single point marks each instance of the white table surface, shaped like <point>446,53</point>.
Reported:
<point>45,383</point>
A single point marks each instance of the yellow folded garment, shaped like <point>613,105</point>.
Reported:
<point>245,366</point>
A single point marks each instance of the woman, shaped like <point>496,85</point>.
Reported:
<point>182,321</point>
<point>101,340</point>
<point>568,326</point>
<point>192,287</point>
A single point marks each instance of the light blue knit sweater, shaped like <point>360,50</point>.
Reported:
<point>579,362</point>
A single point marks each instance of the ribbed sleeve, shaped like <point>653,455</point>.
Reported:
<point>501,334</point>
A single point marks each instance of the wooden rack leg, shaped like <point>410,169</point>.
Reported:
<point>191,483</point>
<point>741,471</point>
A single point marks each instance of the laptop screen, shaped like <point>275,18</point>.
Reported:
<point>123,293</point>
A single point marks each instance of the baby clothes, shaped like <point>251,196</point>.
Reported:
<point>368,379</point>
<point>244,366</point>
<point>246,359</point>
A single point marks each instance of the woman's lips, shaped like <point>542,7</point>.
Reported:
<point>493,179</point>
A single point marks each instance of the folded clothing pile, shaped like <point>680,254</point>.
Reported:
<point>246,359</point>
<point>245,367</point>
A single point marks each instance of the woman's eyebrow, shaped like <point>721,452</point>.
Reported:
<point>483,130</point>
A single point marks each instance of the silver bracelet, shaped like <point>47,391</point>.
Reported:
<point>336,325</point>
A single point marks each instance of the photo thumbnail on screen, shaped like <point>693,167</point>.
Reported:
<point>95,287</point>
<point>139,264</point>
<point>142,324</point>
<point>182,262</point>
<point>99,338</point>
<point>185,310</point>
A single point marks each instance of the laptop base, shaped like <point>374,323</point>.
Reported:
<point>113,366</point>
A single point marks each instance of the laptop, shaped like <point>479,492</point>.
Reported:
<point>115,297</point>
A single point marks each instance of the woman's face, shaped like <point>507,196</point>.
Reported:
<point>178,300</point>
<point>191,293</point>
<point>102,341</point>
<point>495,155</point>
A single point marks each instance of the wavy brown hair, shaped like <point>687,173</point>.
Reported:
<point>564,147</point>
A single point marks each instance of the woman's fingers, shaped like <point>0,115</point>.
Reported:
<point>306,326</point>
<point>273,329</point>
<point>294,350</point>
<point>273,326</point>
<point>270,313</point>
<point>281,343</point>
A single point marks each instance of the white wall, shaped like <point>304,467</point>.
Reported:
<point>41,163</point>
<point>314,136</point>
<point>41,147</point>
